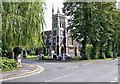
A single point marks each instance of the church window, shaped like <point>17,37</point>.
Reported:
<point>54,41</point>
<point>61,25</point>
<point>53,25</point>
<point>54,33</point>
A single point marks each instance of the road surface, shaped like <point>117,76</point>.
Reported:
<point>100,71</point>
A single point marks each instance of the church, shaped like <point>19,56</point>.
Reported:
<point>58,39</point>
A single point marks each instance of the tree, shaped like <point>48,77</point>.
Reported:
<point>116,34</point>
<point>80,22</point>
<point>22,24</point>
<point>96,23</point>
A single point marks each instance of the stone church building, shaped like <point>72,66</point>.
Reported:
<point>58,39</point>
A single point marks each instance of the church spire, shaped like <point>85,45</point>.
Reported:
<point>52,9</point>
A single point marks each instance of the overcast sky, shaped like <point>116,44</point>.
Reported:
<point>48,11</point>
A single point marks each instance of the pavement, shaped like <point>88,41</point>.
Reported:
<point>24,71</point>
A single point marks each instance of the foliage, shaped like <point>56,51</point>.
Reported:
<point>31,56</point>
<point>4,53</point>
<point>88,51</point>
<point>8,64</point>
<point>17,50</point>
<point>95,23</point>
<point>46,57</point>
<point>77,58</point>
<point>22,24</point>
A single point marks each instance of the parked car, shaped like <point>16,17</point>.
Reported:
<point>41,56</point>
<point>59,57</point>
<point>55,56</point>
<point>68,57</point>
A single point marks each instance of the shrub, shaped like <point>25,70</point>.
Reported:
<point>32,52</point>
<point>24,54</point>
<point>88,51</point>
<point>102,56</point>
<point>109,54</point>
<point>4,53</point>
<point>17,51</point>
<point>77,57</point>
<point>8,64</point>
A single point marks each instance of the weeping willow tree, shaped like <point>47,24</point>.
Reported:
<point>22,24</point>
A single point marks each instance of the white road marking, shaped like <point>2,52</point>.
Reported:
<point>59,78</point>
<point>26,70</point>
<point>41,69</point>
<point>115,79</point>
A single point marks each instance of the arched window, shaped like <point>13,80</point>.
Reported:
<point>54,33</point>
<point>60,24</point>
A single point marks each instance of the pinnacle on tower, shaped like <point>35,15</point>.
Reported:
<point>52,9</point>
<point>58,11</point>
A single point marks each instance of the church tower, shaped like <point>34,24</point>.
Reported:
<point>58,32</point>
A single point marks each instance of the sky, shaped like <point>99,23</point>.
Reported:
<point>48,11</point>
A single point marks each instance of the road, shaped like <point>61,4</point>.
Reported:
<point>100,71</point>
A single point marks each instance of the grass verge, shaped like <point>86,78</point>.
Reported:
<point>31,57</point>
<point>92,60</point>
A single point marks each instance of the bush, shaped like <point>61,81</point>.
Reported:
<point>17,51</point>
<point>102,56</point>
<point>32,52</point>
<point>4,52</point>
<point>8,64</point>
<point>109,54</point>
<point>77,57</point>
<point>88,51</point>
<point>24,54</point>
